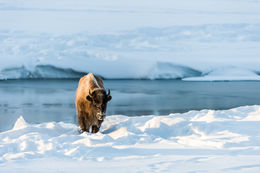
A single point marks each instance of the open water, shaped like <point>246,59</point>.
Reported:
<point>53,100</point>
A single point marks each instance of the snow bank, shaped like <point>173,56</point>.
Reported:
<point>39,72</point>
<point>160,70</point>
<point>230,73</point>
<point>193,138</point>
<point>164,70</point>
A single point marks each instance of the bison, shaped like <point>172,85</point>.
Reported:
<point>91,102</point>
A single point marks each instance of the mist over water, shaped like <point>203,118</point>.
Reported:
<point>53,100</point>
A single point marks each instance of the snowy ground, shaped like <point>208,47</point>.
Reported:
<point>196,141</point>
<point>197,40</point>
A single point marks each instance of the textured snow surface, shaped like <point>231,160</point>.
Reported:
<point>206,140</point>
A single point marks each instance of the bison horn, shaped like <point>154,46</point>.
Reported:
<point>90,93</point>
<point>108,92</point>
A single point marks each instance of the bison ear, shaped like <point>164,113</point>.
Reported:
<point>109,97</point>
<point>89,98</point>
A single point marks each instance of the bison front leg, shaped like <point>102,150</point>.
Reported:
<point>87,123</point>
<point>82,122</point>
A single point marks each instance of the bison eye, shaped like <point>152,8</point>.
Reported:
<point>89,98</point>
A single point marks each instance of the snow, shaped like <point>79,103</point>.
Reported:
<point>196,141</point>
<point>163,70</point>
<point>231,73</point>
<point>128,39</point>
<point>40,72</point>
<point>20,123</point>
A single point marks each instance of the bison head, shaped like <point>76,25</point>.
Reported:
<point>99,99</point>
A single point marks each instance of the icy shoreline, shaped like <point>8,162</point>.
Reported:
<point>160,70</point>
<point>203,137</point>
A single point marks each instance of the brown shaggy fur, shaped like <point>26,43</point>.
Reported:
<point>91,100</point>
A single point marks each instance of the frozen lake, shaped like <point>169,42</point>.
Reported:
<point>53,100</point>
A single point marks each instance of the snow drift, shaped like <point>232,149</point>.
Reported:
<point>218,134</point>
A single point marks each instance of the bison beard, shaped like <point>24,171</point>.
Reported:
<point>91,102</point>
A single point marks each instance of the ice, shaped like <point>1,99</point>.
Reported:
<point>196,137</point>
